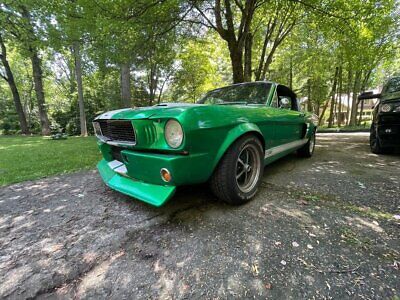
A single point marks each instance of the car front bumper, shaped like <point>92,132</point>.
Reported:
<point>153,194</point>
<point>389,135</point>
<point>141,172</point>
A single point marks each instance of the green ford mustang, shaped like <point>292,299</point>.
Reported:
<point>226,138</point>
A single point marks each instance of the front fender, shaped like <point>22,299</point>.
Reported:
<point>233,135</point>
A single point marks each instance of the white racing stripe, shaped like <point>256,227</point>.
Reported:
<point>281,148</point>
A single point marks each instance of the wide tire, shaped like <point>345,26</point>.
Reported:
<point>239,173</point>
<point>308,149</point>
<point>374,143</point>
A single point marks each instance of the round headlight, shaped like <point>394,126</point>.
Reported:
<point>386,108</point>
<point>173,133</point>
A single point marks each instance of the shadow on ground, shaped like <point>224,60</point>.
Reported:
<point>322,227</point>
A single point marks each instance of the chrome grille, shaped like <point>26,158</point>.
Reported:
<point>117,130</point>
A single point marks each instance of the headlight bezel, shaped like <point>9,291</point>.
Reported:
<point>386,107</point>
<point>168,127</point>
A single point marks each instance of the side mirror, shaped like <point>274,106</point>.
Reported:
<point>284,103</point>
<point>368,95</point>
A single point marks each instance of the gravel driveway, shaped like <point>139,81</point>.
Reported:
<point>325,227</point>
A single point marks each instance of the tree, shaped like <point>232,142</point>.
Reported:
<point>9,78</point>
<point>18,23</point>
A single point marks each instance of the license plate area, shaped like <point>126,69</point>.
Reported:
<point>118,167</point>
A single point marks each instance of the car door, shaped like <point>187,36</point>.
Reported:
<point>288,120</point>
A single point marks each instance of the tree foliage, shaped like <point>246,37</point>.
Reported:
<point>67,60</point>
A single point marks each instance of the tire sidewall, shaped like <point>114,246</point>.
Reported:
<point>375,148</point>
<point>312,138</point>
<point>236,192</point>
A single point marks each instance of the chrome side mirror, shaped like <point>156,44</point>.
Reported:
<point>284,103</point>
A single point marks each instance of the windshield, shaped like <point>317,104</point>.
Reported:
<point>393,85</point>
<point>248,93</point>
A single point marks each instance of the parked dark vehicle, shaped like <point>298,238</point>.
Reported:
<point>385,127</point>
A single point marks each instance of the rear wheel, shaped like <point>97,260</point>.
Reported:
<point>239,173</point>
<point>308,149</point>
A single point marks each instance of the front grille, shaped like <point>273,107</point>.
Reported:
<point>118,130</point>
<point>389,118</point>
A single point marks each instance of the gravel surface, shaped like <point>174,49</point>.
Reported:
<point>319,228</point>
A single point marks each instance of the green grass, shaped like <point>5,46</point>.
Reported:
<point>27,158</point>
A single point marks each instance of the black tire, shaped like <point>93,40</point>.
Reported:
<point>375,143</point>
<point>224,182</point>
<point>308,149</point>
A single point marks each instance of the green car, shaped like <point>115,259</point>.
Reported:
<point>226,138</point>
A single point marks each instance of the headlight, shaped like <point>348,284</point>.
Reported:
<point>386,108</point>
<point>173,133</point>
<point>397,109</point>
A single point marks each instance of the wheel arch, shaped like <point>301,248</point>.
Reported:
<point>233,135</point>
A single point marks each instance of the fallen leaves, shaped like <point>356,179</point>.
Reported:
<point>255,270</point>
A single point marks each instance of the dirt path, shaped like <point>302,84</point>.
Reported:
<point>319,228</point>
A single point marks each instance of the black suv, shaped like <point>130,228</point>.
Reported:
<point>385,128</point>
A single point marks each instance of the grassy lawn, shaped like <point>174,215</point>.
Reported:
<point>26,158</point>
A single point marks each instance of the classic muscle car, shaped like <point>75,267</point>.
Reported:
<point>226,138</point>
<point>385,127</point>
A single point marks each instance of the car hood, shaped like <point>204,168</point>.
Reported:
<point>390,96</point>
<point>159,110</point>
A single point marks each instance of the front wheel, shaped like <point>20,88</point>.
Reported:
<point>374,142</point>
<point>308,149</point>
<point>239,173</point>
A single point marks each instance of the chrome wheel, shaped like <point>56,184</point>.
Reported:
<point>248,167</point>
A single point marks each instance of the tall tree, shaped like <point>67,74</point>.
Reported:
<point>30,42</point>
<point>78,74</point>
<point>21,27</point>
<point>9,78</point>
<point>234,32</point>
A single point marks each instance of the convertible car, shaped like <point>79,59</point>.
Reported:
<point>226,138</point>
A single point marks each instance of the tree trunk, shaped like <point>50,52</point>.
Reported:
<point>78,74</point>
<point>339,119</point>
<point>13,87</point>
<point>330,121</point>
<point>361,113</point>
<point>354,105</point>
<point>236,61</point>
<point>153,81</point>
<point>309,106</point>
<point>349,80</point>
<point>291,72</point>
<point>247,57</point>
<point>321,117</point>
<point>363,86</point>
<point>268,61</point>
<point>125,85</point>
<point>38,82</point>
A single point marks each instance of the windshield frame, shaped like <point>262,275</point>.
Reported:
<point>269,85</point>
